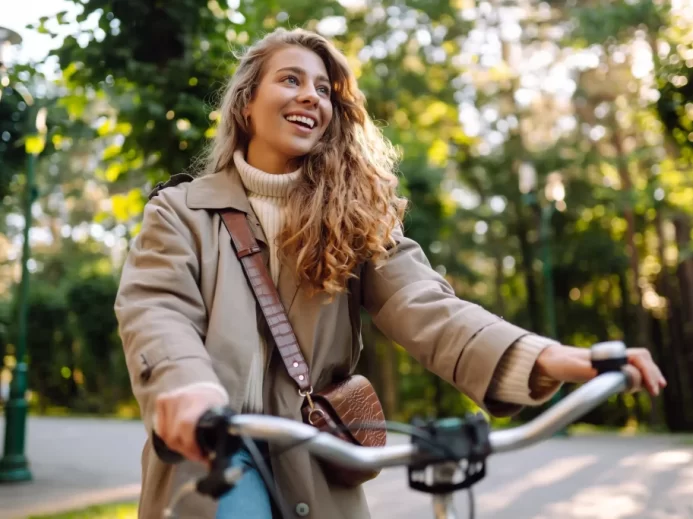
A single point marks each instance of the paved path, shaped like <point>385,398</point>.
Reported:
<point>76,462</point>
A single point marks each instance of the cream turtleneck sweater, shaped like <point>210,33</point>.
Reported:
<point>267,194</point>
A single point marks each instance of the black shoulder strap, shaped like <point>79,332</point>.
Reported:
<point>175,180</point>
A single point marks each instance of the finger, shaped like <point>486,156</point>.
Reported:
<point>161,419</point>
<point>177,444</point>
<point>650,376</point>
<point>567,363</point>
<point>658,377</point>
<point>662,380</point>
<point>634,377</point>
<point>192,449</point>
<point>655,376</point>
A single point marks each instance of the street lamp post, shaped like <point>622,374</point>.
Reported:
<point>14,466</point>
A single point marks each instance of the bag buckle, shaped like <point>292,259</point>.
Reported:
<point>318,412</point>
<point>314,411</point>
<point>306,394</point>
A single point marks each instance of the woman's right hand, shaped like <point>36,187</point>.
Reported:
<point>177,413</point>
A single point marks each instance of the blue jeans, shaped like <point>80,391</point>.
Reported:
<point>249,498</point>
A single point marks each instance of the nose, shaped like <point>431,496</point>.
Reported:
<point>308,95</point>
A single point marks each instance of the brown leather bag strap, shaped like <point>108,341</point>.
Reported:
<point>247,250</point>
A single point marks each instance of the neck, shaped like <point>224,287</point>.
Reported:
<point>269,161</point>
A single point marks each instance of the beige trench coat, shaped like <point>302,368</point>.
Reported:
<point>186,315</point>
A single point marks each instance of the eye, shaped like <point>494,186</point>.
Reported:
<point>323,90</point>
<point>291,79</point>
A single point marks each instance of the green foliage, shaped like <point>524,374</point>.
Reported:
<point>91,301</point>
<point>114,511</point>
<point>13,123</point>
<point>136,104</point>
<point>675,85</point>
<point>73,347</point>
<point>50,347</point>
<point>613,21</point>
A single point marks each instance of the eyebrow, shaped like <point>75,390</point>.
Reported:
<point>301,72</point>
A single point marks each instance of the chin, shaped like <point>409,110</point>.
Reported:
<point>296,152</point>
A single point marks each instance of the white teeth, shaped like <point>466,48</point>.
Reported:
<point>299,118</point>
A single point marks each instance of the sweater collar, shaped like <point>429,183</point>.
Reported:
<point>262,183</point>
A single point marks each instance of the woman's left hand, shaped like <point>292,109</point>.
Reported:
<point>571,364</point>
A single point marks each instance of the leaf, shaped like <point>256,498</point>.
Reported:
<point>119,208</point>
<point>111,151</point>
<point>438,152</point>
<point>105,128</point>
<point>34,144</point>
<point>124,128</point>
<point>57,141</point>
<point>135,202</point>
<point>113,171</point>
<point>125,207</point>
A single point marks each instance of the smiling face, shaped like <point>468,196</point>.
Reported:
<point>290,110</point>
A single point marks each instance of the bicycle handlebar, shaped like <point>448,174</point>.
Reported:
<point>223,426</point>
<point>327,446</point>
<point>283,431</point>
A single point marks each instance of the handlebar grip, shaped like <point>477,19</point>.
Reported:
<point>210,434</point>
<point>211,431</point>
<point>163,452</point>
<point>608,356</point>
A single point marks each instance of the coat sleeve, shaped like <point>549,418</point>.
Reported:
<point>457,340</point>
<point>162,318</point>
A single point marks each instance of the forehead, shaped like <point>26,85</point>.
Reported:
<point>297,57</point>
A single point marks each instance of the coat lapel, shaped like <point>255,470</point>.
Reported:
<point>287,286</point>
<point>224,190</point>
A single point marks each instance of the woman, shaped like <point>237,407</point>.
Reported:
<point>297,152</point>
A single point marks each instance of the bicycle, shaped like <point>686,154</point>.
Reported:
<point>444,456</point>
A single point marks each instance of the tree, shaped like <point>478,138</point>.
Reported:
<point>471,93</point>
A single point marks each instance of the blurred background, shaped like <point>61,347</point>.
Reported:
<point>547,151</point>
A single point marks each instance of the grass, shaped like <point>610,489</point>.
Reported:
<point>113,511</point>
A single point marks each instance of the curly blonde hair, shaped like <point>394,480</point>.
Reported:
<point>345,207</point>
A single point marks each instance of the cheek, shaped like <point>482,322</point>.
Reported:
<point>327,115</point>
<point>267,106</point>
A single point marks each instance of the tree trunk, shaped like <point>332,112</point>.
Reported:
<point>389,376</point>
<point>378,363</point>
<point>685,284</point>
<point>368,361</point>
<point>528,271</point>
<point>498,282</point>
<point>668,341</point>
<point>633,255</point>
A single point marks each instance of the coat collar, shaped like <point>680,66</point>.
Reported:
<point>225,190</point>
<point>221,190</point>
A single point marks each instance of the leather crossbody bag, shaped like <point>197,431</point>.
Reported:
<point>349,409</point>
